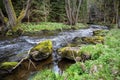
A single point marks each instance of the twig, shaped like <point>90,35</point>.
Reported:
<point>30,62</point>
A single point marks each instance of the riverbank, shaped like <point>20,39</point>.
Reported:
<point>106,66</point>
<point>48,27</point>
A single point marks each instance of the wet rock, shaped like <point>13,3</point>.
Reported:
<point>93,39</point>
<point>98,27</point>
<point>69,52</point>
<point>6,67</point>
<point>18,56</point>
<point>41,51</point>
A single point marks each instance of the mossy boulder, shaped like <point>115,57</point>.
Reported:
<point>8,65</point>
<point>93,39</point>
<point>41,51</point>
<point>100,32</point>
<point>69,52</point>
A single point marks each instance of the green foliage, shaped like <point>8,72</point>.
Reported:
<point>94,50</point>
<point>57,12</point>
<point>45,75</point>
<point>32,27</point>
<point>76,69</point>
<point>50,26</point>
<point>113,38</point>
<point>18,5</point>
<point>105,66</point>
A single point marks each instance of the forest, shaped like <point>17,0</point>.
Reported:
<point>59,39</point>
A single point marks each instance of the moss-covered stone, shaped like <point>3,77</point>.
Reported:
<point>8,65</point>
<point>41,50</point>
<point>100,32</point>
<point>93,39</point>
<point>69,52</point>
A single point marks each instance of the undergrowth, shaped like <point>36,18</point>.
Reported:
<point>106,66</point>
<point>50,26</point>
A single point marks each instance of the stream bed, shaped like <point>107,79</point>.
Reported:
<point>14,49</point>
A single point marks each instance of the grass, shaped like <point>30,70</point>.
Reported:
<point>93,50</point>
<point>50,26</point>
<point>105,66</point>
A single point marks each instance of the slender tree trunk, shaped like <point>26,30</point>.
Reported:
<point>78,10</point>
<point>118,14</point>
<point>72,8</point>
<point>68,11</point>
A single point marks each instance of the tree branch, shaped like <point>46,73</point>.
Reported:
<point>1,16</point>
<point>25,11</point>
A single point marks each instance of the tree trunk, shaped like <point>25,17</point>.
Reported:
<point>72,10</point>
<point>10,12</point>
<point>68,11</point>
<point>78,10</point>
<point>118,14</point>
<point>4,26</point>
<point>13,20</point>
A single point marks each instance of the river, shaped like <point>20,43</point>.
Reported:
<point>14,49</point>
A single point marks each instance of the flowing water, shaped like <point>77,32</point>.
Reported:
<point>14,49</point>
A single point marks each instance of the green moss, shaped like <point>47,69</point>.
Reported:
<point>44,47</point>
<point>22,14</point>
<point>8,65</point>
<point>5,19</point>
<point>100,32</point>
<point>69,52</point>
<point>94,39</point>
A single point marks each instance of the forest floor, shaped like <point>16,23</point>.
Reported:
<point>104,66</point>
